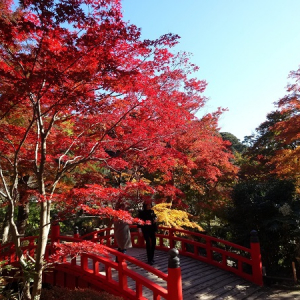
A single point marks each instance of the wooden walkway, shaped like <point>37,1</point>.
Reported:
<point>206,282</point>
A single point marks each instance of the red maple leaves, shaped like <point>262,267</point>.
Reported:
<point>93,114</point>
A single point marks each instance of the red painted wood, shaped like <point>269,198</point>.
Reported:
<point>122,275</point>
<point>174,283</point>
<point>139,290</point>
<point>82,284</point>
<point>84,262</point>
<point>48,278</point>
<point>257,264</point>
<point>55,233</point>
<point>195,245</point>
<point>59,278</point>
<point>71,282</point>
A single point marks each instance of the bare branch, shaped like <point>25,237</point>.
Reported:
<point>8,195</point>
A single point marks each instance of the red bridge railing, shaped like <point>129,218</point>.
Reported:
<point>244,262</point>
<point>103,273</point>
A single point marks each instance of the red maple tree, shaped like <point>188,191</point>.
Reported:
<point>81,91</point>
<point>286,159</point>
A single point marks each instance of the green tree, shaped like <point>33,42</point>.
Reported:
<point>256,161</point>
<point>236,144</point>
<point>273,209</point>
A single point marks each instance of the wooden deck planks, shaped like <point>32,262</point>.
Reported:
<point>203,281</point>
<point>206,282</point>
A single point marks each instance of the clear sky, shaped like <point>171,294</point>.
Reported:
<point>245,50</point>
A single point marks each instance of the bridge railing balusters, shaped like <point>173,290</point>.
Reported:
<point>214,247</point>
<point>95,237</point>
<point>224,259</point>
<point>233,257</point>
<point>240,265</point>
<point>84,262</point>
<point>123,283</point>
<point>139,289</point>
<point>209,254</point>
<point>55,230</point>
<point>171,238</point>
<point>76,232</point>
<point>96,267</point>
<point>108,272</point>
<point>73,261</point>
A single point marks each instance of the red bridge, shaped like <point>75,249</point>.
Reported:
<point>131,278</point>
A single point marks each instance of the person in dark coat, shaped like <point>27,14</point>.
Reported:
<point>148,230</point>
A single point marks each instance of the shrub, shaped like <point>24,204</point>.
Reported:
<point>58,293</point>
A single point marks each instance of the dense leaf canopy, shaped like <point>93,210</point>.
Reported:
<point>92,114</point>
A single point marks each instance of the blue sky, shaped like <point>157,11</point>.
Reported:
<point>245,50</point>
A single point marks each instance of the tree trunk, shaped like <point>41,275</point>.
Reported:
<point>23,214</point>
<point>17,242</point>
<point>41,249</point>
<point>6,226</point>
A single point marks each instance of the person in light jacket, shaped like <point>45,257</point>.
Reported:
<point>148,230</point>
<point>122,233</point>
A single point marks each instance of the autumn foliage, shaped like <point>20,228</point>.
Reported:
<point>287,131</point>
<point>267,196</point>
<point>175,218</point>
<point>274,150</point>
<point>92,114</point>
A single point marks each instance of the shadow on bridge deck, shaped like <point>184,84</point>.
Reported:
<point>206,282</point>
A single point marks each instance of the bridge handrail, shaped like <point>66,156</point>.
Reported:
<point>218,252</point>
<point>121,257</point>
<point>123,271</point>
<point>86,274</point>
<point>237,259</point>
<point>7,251</point>
<point>244,262</point>
<point>108,235</point>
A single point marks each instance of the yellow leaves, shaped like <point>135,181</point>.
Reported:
<point>68,127</point>
<point>174,218</point>
<point>287,163</point>
<point>145,180</point>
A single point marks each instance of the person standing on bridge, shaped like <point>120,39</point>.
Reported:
<point>148,230</point>
<point>122,232</point>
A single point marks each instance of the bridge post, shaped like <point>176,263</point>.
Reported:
<point>174,281</point>
<point>55,229</point>
<point>256,258</point>
<point>95,237</point>
<point>76,232</point>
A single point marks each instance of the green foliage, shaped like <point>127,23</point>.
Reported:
<point>236,145</point>
<point>273,209</point>
<point>32,227</point>
<point>3,280</point>
<point>10,286</point>
<point>262,147</point>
